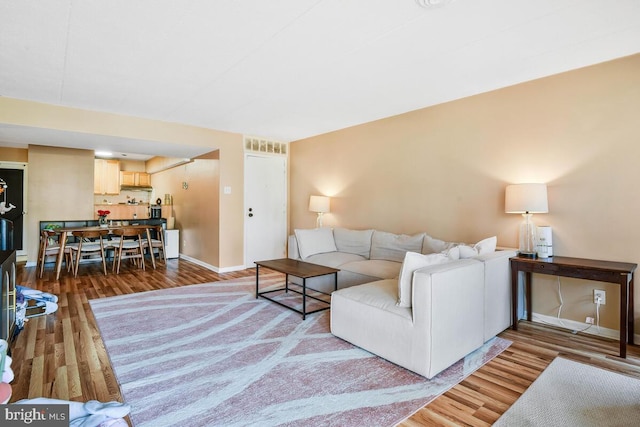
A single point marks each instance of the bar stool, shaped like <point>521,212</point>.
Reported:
<point>88,247</point>
<point>158,242</point>
<point>128,248</point>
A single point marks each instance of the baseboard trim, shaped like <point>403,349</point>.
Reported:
<point>212,267</point>
<point>230,269</point>
<point>578,326</point>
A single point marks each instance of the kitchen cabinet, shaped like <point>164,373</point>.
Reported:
<point>135,179</point>
<point>106,176</point>
<point>144,179</point>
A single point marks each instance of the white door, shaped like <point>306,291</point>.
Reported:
<point>265,208</point>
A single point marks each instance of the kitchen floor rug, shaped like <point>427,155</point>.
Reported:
<point>212,354</point>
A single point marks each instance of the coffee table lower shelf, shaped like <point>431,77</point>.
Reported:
<point>301,269</point>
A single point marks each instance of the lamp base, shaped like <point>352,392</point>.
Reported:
<point>528,254</point>
<point>528,237</point>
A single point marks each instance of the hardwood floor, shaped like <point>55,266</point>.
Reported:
<point>62,356</point>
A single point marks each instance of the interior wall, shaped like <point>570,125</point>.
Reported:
<point>19,155</point>
<point>196,208</point>
<point>29,113</point>
<point>132,165</point>
<point>60,187</point>
<point>444,170</point>
<point>232,206</point>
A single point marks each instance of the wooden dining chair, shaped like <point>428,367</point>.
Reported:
<point>155,242</point>
<point>50,246</point>
<point>129,247</point>
<point>90,242</point>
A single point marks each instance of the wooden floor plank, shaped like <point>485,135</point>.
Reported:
<point>62,355</point>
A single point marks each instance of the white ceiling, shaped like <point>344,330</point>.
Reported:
<point>287,69</point>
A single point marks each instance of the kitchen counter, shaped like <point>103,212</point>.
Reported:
<point>126,211</point>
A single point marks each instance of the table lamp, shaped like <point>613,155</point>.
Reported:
<point>319,204</point>
<point>527,199</point>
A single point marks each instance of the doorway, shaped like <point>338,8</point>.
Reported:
<point>265,208</point>
<point>14,175</point>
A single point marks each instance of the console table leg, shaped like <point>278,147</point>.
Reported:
<point>624,315</point>
<point>630,320</point>
<point>514,298</point>
<point>527,286</point>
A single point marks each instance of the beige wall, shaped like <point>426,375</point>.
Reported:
<point>20,155</point>
<point>27,113</point>
<point>211,223</point>
<point>444,170</point>
<point>60,187</point>
<point>196,209</point>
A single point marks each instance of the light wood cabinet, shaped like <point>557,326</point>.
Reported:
<point>135,179</point>
<point>106,177</point>
<point>144,179</point>
<point>127,178</point>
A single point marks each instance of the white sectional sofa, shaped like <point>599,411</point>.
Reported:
<point>362,256</point>
<point>416,301</point>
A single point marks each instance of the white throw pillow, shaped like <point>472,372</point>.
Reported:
<point>452,253</point>
<point>412,262</point>
<point>484,246</point>
<point>487,245</point>
<point>315,241</point>
<point>467,251</point>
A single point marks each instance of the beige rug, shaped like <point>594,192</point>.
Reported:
<point>569,393</point>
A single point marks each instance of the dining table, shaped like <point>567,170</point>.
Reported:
<point>66,231</point>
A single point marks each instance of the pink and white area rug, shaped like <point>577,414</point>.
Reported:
<point>214,355</point>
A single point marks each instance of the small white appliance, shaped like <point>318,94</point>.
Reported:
<point>545,242</point>
<point>171,243</point>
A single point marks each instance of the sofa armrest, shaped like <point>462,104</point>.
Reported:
<point>292,248</point>
<point>497,291</point>
<point>448,308</point>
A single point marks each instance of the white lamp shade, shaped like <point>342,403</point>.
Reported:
<point>319,204</point>
<point>523,198</point>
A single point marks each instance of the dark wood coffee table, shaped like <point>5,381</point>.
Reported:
<point>301,269</point>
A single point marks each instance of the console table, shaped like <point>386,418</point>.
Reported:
<point>620,273</point>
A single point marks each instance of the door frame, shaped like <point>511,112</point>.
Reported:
<point>246,203</point>
<point>25,192</point>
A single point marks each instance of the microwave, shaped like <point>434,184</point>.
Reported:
<point>155,212</point>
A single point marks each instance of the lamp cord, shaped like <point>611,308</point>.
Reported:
<point>573,331</point>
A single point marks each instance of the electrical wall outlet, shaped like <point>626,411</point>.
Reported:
<point>589,320</point>
<point>599,293</point>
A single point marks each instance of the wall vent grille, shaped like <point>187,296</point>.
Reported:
<point>261,145</point>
